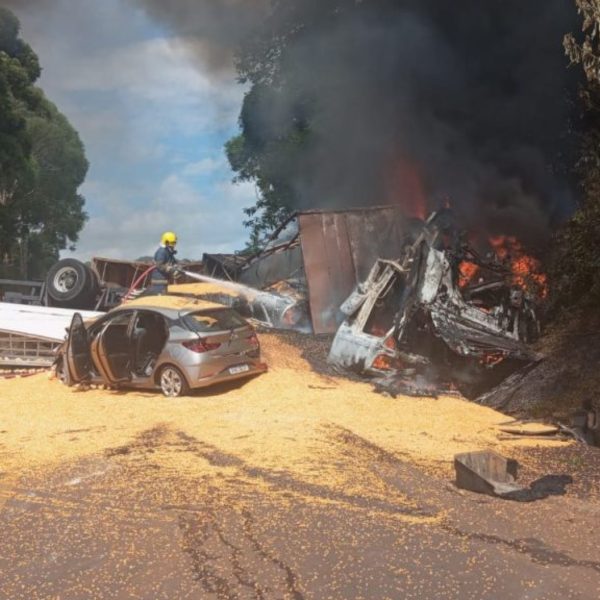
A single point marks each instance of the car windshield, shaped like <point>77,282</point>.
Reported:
<point>214,320</point>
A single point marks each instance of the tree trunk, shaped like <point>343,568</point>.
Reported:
<point>24,255</point>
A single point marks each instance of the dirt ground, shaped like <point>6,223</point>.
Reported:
<point>295,484</point>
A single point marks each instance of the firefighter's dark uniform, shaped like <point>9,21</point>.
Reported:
<point>164,259</point>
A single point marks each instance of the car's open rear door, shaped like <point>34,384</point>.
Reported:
<point>78,356</point>
<point>111,350</point>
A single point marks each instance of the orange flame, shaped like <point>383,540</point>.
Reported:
<point>492,359</point>
<point>383,362</point>
<point>466,273</point>
<point>526,270</point>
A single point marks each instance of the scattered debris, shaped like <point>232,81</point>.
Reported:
<point>528,428</point>
<point>573,432</point>
<point>518,429</point>
<point>586,422</point>
<point>486,472</point>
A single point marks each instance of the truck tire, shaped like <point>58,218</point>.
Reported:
<point>94,285</point>
<point>71,284</point>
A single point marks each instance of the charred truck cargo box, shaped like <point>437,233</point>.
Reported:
<point>417,323</point>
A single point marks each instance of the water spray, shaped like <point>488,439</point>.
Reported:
<point>273,309</point>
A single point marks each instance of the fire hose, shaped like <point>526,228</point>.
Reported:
<point>138,281</point>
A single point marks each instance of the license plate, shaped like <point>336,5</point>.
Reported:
<point>240,369</point>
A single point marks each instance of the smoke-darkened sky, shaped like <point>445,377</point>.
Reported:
<point>214,29</point>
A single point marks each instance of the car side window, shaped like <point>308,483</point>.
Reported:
<point>149,321</point>
<point>121,318</point>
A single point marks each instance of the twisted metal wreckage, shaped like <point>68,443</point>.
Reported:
<point>411,326</point>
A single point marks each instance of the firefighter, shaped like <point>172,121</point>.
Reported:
<point>165,263</point>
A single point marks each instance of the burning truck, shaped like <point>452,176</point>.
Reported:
<point>440,316</point>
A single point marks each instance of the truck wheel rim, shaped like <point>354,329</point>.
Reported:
<point>170,383</point>
<point>65,279</point>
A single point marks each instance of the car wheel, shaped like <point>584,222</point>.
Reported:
<point>71,284</point>
<point>172,382</point>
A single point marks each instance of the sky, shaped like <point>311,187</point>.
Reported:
<point>153,123</point>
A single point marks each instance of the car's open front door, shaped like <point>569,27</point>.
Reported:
<point>111,349</point>
<point>78,357</point>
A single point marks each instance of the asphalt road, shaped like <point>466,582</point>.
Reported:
<point>125,526</point>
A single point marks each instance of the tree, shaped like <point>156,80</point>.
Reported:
<point>270,154</point>
<point>576,265</point>
<point>268,158</point>
<point>42,164</point>
<point>19,68</point>
<point>50,214</point>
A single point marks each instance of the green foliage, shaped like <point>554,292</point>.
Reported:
<point>268,152</point>
<point>576,264</point>
<point>17,73</point>
<point>50,215</point>
<point>575,269</point>
<point>42,164</point>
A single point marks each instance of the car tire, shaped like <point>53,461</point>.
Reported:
<point>172,382</point>
<point>71,284</point>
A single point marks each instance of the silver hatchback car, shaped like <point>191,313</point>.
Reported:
<point>149,347</point>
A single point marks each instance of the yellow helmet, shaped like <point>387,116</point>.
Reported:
<point>168,238</point>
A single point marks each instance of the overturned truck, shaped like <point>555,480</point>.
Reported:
<point>413,327</point>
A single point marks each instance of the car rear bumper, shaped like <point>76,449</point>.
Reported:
<point>197,378</point>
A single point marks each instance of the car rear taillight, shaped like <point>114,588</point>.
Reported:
<point>201,346</point>
<point>253,340</point>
